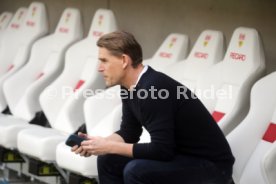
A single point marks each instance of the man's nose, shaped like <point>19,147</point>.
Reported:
<point>100,68</point>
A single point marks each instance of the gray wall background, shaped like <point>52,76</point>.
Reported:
<point>152,20</point>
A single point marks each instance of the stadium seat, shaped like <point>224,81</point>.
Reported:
<point>7,45</point>
<point>46,62</point>
<point>253,141</point>
<point>173,49</point>
<point>208,50</point>
<point>62,101</point>
<point>20,35</point>
<point>224,89</point>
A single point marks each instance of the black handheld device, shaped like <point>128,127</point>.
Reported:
<point>73,140</point>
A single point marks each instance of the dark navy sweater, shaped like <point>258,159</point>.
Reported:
<point>178,124</point>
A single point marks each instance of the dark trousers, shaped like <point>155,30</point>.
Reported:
<point>115,169</point>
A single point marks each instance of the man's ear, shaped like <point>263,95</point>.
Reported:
<point>126,61</point>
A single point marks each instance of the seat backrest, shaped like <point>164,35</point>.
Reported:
<point>208,50</point>
<point>5,19</point>
<point>35,25</point>
<point>253,141</point>
<point>230,81</point>
<point>65,109</point>
<point>173,49</point>
<point>8,43</point>
<point>101,106</point>
<point>109,124</point>
<point>45,64</point>
<point>244,55</point>
<point>17,43</point>
<point>9,46</point>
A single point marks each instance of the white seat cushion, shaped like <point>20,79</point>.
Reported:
<point>9,130</point>
<point>8,126</point>
<point>66,159</point>
<point>40,142</point>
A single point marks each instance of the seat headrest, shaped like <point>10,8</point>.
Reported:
<point>173,48</point>
<point>5,18</point>
<point>103,22</point>
<point>17,20</point>
<point>209,48</point>
<point>70,23</point>
<point>244,55</point>
<point>245,47</point>
<point>36,18</point>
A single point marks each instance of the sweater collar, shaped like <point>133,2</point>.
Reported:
<point>141,74</point>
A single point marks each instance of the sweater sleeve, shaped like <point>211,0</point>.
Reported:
<point>159,120</point>
<point>131,128</point>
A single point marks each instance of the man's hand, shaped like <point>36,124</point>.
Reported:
<point>78,149</point>
<point>91,146</point>
<point>96,145</point>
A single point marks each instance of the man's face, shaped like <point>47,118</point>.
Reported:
<point>111,67</point>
